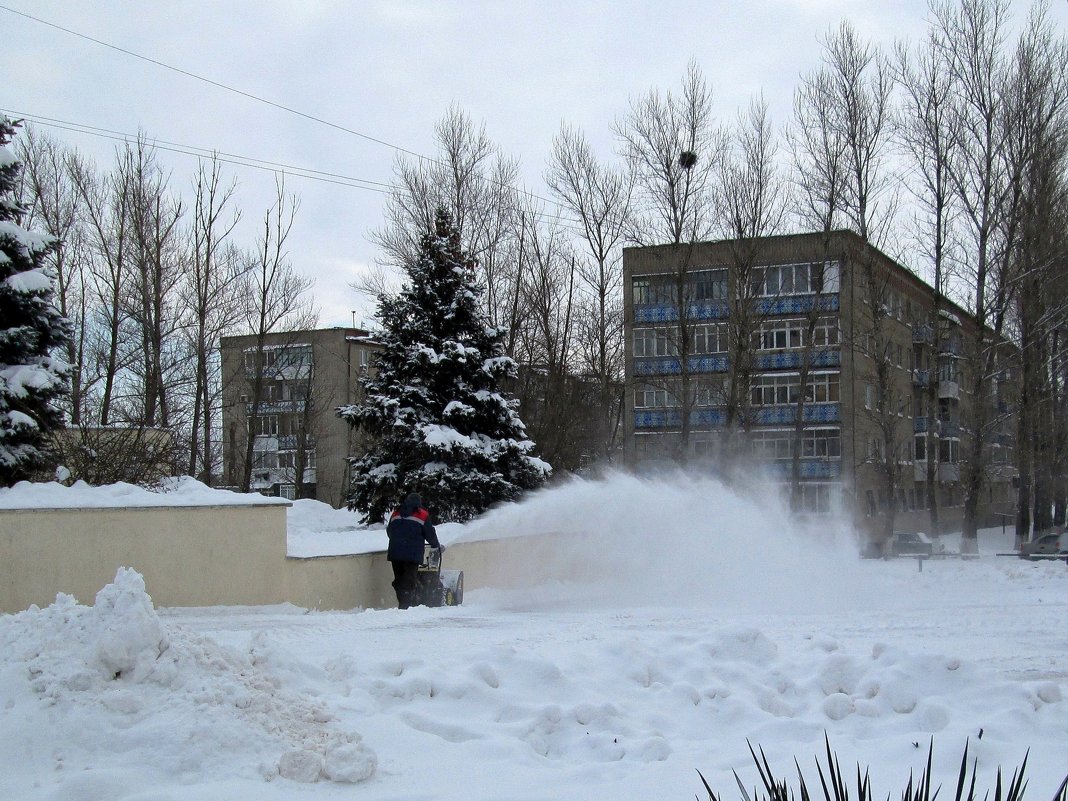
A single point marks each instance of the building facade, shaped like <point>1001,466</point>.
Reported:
<point>808,359</point>
<point>279,401</point>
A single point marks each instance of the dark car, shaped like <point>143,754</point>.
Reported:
<point>1048,545</point>
<point>911,543</point>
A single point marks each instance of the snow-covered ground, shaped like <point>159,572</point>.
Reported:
<point>692,621</point>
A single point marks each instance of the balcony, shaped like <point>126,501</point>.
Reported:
<point>717,416</point>
<point>920,378</point>
<point>792,360</point>
<point>288,442</point>
<point>949,389</point>
<point>945,428</point>
<point>277,407</point>
<point>923,335</point>
<point>946,472</point>
<point>809,468</point>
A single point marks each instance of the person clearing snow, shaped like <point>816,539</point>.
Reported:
<point>409,527</point>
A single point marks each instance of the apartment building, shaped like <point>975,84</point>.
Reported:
<point>816,374</point>
<point>279,400</point>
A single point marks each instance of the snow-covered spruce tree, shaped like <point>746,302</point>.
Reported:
<point>437,421</point>
<point>31,329</point>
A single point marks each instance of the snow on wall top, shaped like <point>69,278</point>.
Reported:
<point>182,492</point>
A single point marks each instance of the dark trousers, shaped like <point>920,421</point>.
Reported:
<point>405,580</point>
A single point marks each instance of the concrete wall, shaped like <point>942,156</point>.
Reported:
<point>218,555</point>
<point>189,555</point>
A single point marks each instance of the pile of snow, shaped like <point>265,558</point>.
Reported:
<point>129,690</point>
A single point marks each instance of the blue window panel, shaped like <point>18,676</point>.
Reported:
<point>919,425</point>
<point>673,419</point>
<point>711,310</point>
<point>797,305</point>
<point>698,364</point>
<point>919,378</point>
<point>709,417</point>
<point>827,358</point>
<point>655,314</point>
<point>666,313</point>
<point>656,367</point>
<point>814,413</point>
<point>708,364</point>
<point>656,419</point>
<point>808,468</point>
<point>777,361</point>
<point>782,361</point>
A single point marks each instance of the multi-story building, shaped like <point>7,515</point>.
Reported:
<point>809,358</point>
<point>279,401</point>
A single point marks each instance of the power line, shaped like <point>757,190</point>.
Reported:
<point>217,84</point>
<point>203,152</point>
<point>236,159</point>
<point>260,99</point>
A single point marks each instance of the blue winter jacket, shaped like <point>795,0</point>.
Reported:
<point>408,529</point>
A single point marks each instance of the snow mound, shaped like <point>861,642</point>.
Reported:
<point>141,691</point>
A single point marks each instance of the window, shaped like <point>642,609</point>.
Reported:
<point>796,279</point>
<point>652,398</point>
<point>948,451</point>
<point>776,390</point>
<point>821,443</point>
<point>652,342</point>
<point>876,449</point>
<point>869,396</point>
<point>822,388</point>
<point>641,290</point>
<point>709,393</point>
<point>265,425</point>
<point>783,389</point>
<point>815,498</point>
<point>769,445</point>
<point>653,289</point>
<point>267,359</point>
<point>781,334</point>
<point>947,368</point>
<point>709,284</point>
<point>920,447</point>
<point>265,460</point>
<point>710,339</point>
<point>826,332</point>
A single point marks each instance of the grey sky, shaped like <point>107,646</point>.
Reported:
<point>390,70</point>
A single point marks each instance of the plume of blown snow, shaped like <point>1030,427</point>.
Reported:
<point>623,539</point>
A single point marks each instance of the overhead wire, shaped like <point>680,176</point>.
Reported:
<point>308,173</point>
<point>203,152</point>
<point>272,103</point>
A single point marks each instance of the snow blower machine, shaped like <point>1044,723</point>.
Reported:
<point>437,587</point>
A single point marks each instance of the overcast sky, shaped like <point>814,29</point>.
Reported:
<point>389,71</point>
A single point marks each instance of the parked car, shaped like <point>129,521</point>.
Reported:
<point>911,543</point>
<point>1045,546</point>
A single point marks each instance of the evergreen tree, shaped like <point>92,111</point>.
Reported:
<point>438,423</point>
<point>30,330</point>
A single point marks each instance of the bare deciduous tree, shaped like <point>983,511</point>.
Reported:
<point>276,300</point>
<point>212,302</point>
<point>598,198</point>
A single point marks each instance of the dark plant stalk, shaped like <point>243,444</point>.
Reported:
<point>835,788</point>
